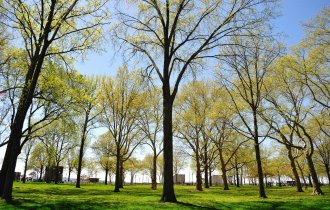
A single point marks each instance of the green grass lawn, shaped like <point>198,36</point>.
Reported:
<point>66,196</point>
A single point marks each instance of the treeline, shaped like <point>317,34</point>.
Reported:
<point>259,92</point>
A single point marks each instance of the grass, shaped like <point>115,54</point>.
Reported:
<point>66,196</point>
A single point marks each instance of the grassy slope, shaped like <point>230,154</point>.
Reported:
<point>64,196</point>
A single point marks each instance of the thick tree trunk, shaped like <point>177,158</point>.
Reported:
<point>199,183</point>
<point>168,189</point>
<point>310,180</point>
<point>224,178</point>
<point>262,192</point>
<point>224,172</point>
<point>294,169</point>
<point>7,175</point>
<point>154,173</point>
<point>81,150</point>
<point>106,176</point>
<point>56,175</point>
<point>117,178</point>
<point>316,185</point>
<point>121,172</point>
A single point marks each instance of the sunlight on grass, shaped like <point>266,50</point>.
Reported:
<point>65,196</point>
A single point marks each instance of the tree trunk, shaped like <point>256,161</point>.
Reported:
<point>9,164</point>
<point>310,180</point>
<point>199,183</point>
<point>154,173</point>
<point>327,169</point>
<point>316,185</point>
<point>7,174</point>
<point>279,178</point>
<point>69,175</point>
<point>25,168</point>
<point>237,176</point>
<point>262,192</point>
<point>121,172</point>
<point>294,169</point>
<point>41,172</point>
<point>206,175</point>
<point>132,178</point>
<point>56,175</point>
<point>117,178</point>
<point>224,173</point>
<point>81,150</point>
<point>210,177</point>
<point>168,187</point>
<point>106,176</point>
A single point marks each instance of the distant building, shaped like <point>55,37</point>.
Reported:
<point>179,178</point>
<point>50,174</point>
<point>217,180</point>
<point>17,176</point>
<point>94,180</point>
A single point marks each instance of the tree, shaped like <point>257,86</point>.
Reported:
<point>121,103</point>
<point>58,27</point>
<point>317,46</point>
<point>150,124</point>
<point>322,142</point>
<point>226,140</point>
<point>248,61</point>
<point>298,110</point>
<point>87,107</point>
<point>103,149</point>
<point>190,122</point>
<point>72,162</point>
<point>39,159</point>
<point>27,149</point>
<point>59,139</point>
<point>174,37</point>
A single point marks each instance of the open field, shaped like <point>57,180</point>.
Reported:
<point>65,196</point>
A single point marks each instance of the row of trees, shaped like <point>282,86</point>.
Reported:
<point>259,93</point>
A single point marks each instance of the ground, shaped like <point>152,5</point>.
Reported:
<point>97,196</point>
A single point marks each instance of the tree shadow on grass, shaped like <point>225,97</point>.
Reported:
<point>193,206</point>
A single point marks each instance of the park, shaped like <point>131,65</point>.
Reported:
<point>170,104</point>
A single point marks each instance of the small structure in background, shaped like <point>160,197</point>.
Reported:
<point>179,178</point>
<point>217,180</point>
<point>53,174</point>
<point>17,176</point>
<point>94,180</point>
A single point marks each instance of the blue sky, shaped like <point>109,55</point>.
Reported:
<point>293,14</point>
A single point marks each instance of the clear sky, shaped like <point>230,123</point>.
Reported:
<point>293,14</point>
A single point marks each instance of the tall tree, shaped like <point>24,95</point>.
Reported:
<point>48,29</point>
<point>121,103</point>
<point>150,124</point>
<point>174,36</point>
<point>87,114</point>
<point>317,46</point>
<point>297,111</point>
<point>190,122</point>
<point>248,61</point>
